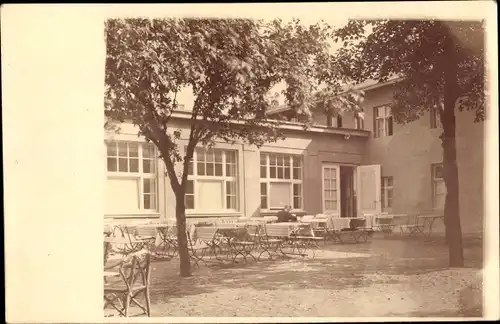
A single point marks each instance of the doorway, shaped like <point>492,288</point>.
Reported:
<point>347,192</point>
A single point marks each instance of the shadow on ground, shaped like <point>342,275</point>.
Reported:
<point>382,261</point>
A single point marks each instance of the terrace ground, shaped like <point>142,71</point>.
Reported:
<point>384,277</point>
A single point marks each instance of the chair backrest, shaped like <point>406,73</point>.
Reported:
<point>338,223</point>
<point>122,230</point>
<point>277,231</point>
<point>206,234</point>
<point>255,229</point>
<point>146,231</point>
<point>307,218</point>
<point>321,216</point>
<point>134,266</point>
<point>171,231</point>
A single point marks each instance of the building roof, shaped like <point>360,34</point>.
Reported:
<point>373,84</point>
<point>365,86</point>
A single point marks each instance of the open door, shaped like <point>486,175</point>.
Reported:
<point>368,190</point>
<point>331,189</point>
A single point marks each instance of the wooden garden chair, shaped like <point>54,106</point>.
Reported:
<point>201,240</point>
<point>332,231</point>
<point>126,280</point>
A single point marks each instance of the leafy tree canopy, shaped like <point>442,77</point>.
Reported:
<point>230,64</point>
<point>416,52</point>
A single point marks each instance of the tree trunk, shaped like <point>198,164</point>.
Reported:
<point>180,215</point>
<point>450,170</point>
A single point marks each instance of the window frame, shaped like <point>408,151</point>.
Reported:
<point>359,123</point>
<point>435,118</point>
<point>330,121</point>
<point>387,121</point>
<point>196,178</point>
<point>140,175</point>
<point>435,182</point>
<point>268,180</point>
<point>384,195</point>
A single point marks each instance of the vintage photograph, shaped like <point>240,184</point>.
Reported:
<point>289,168</point>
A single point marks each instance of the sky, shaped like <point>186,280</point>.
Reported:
<point>335,14</point>
<point>285,11</point>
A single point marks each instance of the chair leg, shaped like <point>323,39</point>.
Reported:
<point>148,301</point>
<point>126,304</point>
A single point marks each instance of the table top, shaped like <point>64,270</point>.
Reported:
<point>315,220</point>
<point>158,225</point>
<point>431,216</point>
<point>287,224</point>
<point>384,216</point>
<point>283,224</point>
<point>121,240</point>
<point>392,215</point>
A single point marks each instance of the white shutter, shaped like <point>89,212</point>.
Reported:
<point>369,189</point>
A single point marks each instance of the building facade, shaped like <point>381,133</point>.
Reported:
<point>345,166</point>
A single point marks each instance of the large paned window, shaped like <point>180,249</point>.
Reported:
<point>212,181</point>
<point>280,180</point>
<point>438,186</point>
<point>382,121</point>
<point>131,177</point>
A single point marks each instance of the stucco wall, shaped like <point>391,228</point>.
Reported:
<point>314,147</point>
<point>407,155</point>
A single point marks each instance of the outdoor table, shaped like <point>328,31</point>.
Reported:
<point>292,226</point>
<point>428,220</point>
<point>168,240</point>
<point>236,241</point>
<point>291,233</point>
<point>385,223</point>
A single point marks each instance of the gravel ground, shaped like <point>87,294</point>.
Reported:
<point>403,278</point>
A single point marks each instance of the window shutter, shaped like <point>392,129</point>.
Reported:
<point>389,126</point>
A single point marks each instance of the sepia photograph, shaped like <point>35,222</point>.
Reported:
<point>298,165</point>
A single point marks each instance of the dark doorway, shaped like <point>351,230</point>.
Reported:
<point>347,198</point>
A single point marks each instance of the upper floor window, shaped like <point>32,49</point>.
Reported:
<point>280,180</point>
<point>359,123</point>
<point>334,121</point>
<point>212,180</point>
<point>132,179</point>
<point>382,121</point>
<point>438,186</point>
<point>435,118</point>
<point>387,192</point>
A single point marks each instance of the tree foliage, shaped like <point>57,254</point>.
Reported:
<point>415,51</point>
